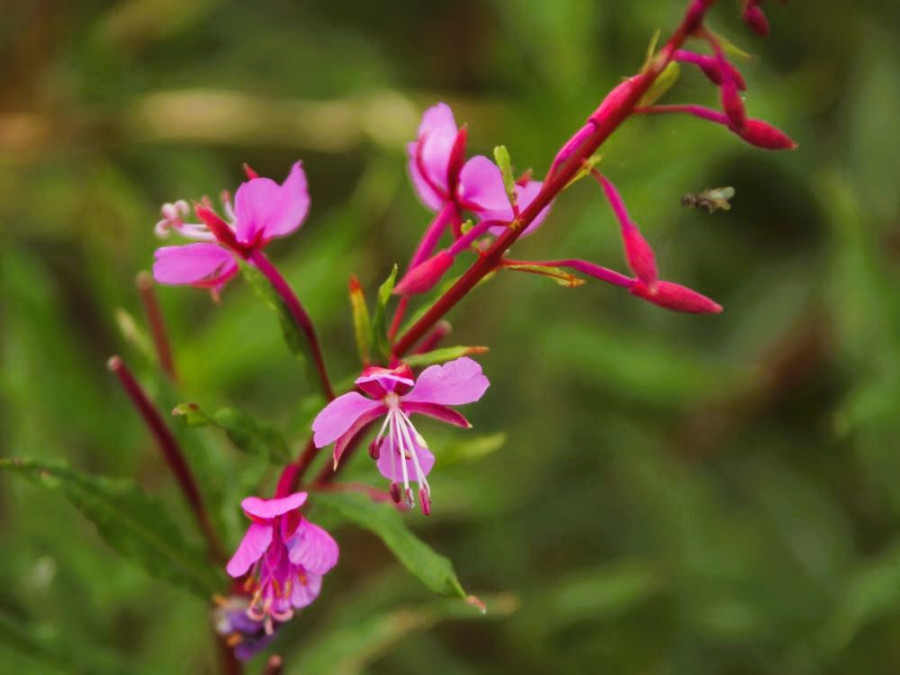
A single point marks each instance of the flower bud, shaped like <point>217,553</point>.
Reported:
<point>764,135</point>
<point>754,17</point>
<point>732,103</point>
<point>424,276</point>
<point>675,297</point>
<point>640,257</point>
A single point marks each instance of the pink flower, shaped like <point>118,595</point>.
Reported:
<point>402,454</point>
<point>285,556</point>
<point>440,177</point>
<point>262,211</point>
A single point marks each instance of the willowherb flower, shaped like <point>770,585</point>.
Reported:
<point>262,211</point>
<point>440,176</point>
<point>246,636</point>
<point>401,453</point>
<point>285,556</point>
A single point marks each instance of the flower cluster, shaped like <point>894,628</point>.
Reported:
<point>480,208</point>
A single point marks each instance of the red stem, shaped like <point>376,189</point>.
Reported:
<point>154,316</point>
<point>299,314</point>
<point>612,117</point>
<point>172,453</point>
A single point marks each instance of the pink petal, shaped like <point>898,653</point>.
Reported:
<point>303,594</point>
<point>293,205</point>
<point>385,380</point>
<point>313,548</point>
<point>255,204</point>
<point>481,187</point>
<point>197,264</point>
<point>454,383</point>
<point>390,466</point>
<point>356,428</point>
<point>252,546</point>
<point>426,194</point>
<point>439,412</point>
<point>270,508</point>
<point>525,194</point>
<point>338,416</point>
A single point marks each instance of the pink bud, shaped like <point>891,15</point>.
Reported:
<point>755,18</point>
<point>571,145</point>
<point>732,103</point>
<point>675,297</point>
<point>424,276</point>
<point>251,174</point>
<point>764,135</point>
<point>640,257</point>
<point>614,100</point>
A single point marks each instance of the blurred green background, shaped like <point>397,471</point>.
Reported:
<point>676,494</point>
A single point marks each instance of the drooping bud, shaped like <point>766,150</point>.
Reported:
<point>424,276</point>
<point>675,297</point>
<point>732,103</point>
<point>764,135</point>
<point>754,17</point>
<point>638,253</point>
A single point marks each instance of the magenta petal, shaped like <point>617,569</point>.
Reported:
<point>252,546</point>
<point>481,188</point>
<point>292,207</point>
<point>313,548</point>
<point>426,194</point>
<point>305,590</point>
<point>525,194</point>
<point>197,264</point>
<point>255,204</point>
<point>439,412</point>
<point>344,440</point>
<point>337,417</point>
<point>454,383</point>
<point>386,380</point>
<point>389,462</point>
<point>270,508</point>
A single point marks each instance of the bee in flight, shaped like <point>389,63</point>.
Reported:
<point>712,200</point>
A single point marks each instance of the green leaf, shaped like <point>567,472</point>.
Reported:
<point>129,520</point>
<point>351,647</point>
<point>242,430</point>
<point>661,85</point>
<point>384,521</point>
<point>501,156</point>
<point>559,275</point>
<point>362,325</point>
<point>295,340</point>
<point>379,321</point>
<point>442,355</point>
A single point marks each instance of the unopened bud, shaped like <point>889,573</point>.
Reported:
<point>251,174</point>
<point>764,135</point>
<point>732,103</point>
<point>639,255</point>
<point>424,276</point>
<point>675,297</point>
<point>754,17</point>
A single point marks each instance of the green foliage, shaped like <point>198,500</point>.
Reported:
<point>379,319</point>
<point>293,337</point>
<point>129,520</point>
<point>242,430</point>
<point>384,521</point>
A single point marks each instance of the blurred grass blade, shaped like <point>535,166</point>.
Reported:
<point>129,520</point>
<point>362,324</point>
<point>384,521</point>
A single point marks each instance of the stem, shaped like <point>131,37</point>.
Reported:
<point>172,453</point>
<point>606,124</point>
<point>433,233</point>
<point>289,480</point>
<point>144,283</point>
<point>298,312</point>
<point>700,111</point>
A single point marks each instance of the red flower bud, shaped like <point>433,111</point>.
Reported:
<point>675,297</point>
<point>764,135</point>
<point>732,103</point>
<point>755,18</point>
<point>424,276</point>
<point>640,257</point>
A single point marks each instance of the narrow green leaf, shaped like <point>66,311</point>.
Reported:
<point>247,435</point>
<point>501,156</point>
<point>560,276</point>
<point>442,355</point>
<point>651,48</point>
<point>379,321</point>
<point>362,325</point>
<point>295,340</point>
<point>384,521</point>
<point>586,167</point>
<point>661,85</point>
<point>129,520</point>
<point>350,648</point>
